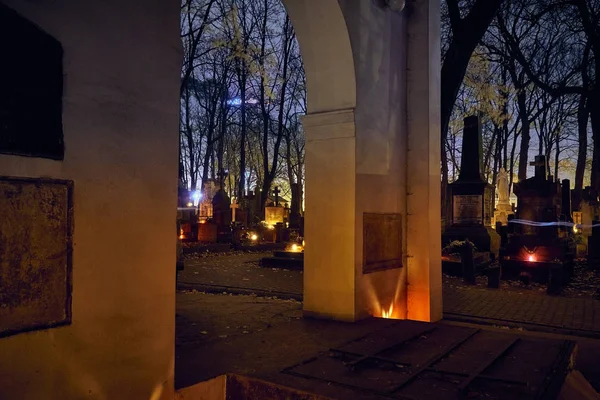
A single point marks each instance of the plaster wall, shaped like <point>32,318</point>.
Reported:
<point>424,289</point>
<point>356,155</point>
<point>378,38</point>
<point>120,117</point>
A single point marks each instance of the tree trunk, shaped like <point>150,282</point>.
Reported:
<point>556,158</point>
<point>583,114</point>
<point>243,130</point>
<point>525,136</point>
<point>594,105</point>
<point>512,163</point>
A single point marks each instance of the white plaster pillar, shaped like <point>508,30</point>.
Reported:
<point>423,167</point>
<point>329,256</point>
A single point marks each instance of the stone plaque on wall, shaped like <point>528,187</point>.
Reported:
<point>382,242</point>
<point>467,209</point>
<point>36,236</point>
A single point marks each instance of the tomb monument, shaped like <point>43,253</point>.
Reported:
<point>472,197</point>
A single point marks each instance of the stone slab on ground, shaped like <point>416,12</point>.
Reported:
<point>275,340</point>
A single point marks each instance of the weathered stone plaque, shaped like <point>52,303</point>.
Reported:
<point>467,209</point>
<point>36,234</point>
<point>382,237</point>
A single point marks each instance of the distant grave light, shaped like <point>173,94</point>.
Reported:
<point>238,102</point>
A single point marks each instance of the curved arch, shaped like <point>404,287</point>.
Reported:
<point>326,52</point>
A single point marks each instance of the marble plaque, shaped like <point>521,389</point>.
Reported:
<point>467,209</point>
<point>382,242</point>
<point>36,235</point>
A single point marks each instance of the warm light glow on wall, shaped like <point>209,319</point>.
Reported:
<point>383,306</point>
<point>388,314</point>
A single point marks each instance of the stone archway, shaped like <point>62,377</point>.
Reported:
<point>372,158</point>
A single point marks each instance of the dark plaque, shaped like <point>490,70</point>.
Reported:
<point>382,242</point>
<point>36,235</point>
<point>31,88</point>
<point>467,209</point>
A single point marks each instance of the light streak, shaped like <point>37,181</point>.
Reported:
<point>556,223</point>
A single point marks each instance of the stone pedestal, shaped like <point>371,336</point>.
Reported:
<point>502,213</point>
<point>471,216</point>
<point>207,232</point>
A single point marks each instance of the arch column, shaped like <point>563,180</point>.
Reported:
<point>372,149</point>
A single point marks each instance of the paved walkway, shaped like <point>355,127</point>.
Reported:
<point>530,309</point>
<point>239,273</point>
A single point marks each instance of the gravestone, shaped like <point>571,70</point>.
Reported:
<point>503,208</point>
<point>31,89</point>
<point>590,210</point>
<point>539,199</point>
<point>274,215</point>
<point>472,197</point>
<point>207,232</point>
<point>36,243</point>
<point>566,211</point>
<point>183,194</point>
<point>222,211</point>
<point>205,209</point>
<point>295,207</point>
<point>537,250</point>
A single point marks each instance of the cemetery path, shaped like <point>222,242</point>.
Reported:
<point>530,309</point>
<point>238,272</point>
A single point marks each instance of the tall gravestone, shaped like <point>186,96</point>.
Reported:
<point>221,207</point>
<point>472,197</point>
<point>295,208</point>
<point>539,199</point>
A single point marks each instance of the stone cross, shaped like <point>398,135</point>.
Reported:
<point>540,166</point>
<point>276,193</point>
<point>234,206</point>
